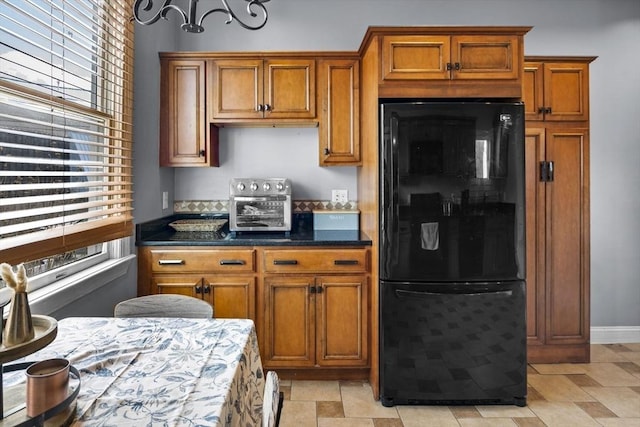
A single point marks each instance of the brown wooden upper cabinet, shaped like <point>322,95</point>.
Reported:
<point>259,88</point>
<point>339,111</point>
<point>442,57</point>
<point>556,91</point>
<point>186,139</point>
<point>447,62</point>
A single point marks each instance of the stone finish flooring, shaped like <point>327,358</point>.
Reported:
<point>605,392</point>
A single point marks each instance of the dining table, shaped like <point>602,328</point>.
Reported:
<point>160,371</point>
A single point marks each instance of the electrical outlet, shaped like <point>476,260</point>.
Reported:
<point>165,200</point>
<point>339,196</point>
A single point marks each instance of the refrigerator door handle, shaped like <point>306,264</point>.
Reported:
<point>390,224</point>
<point>417,294</point>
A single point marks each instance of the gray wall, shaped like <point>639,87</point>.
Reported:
<point>609,29</point>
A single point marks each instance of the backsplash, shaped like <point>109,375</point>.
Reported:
<point>222,206</point>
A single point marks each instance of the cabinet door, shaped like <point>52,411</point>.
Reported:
<point>289,88</point>
<point>236,89</point>
<point>185,284</point>
<point>289,321</point>
<point>415,57</point>
<point>567,237</point>
<point>485,57</point>
<point>566,91</point>
<point>339,121</point>
<point>341,321</point>
<point>533,91</point>
<point>231,296</point>
<point>535,225</point>
<point>183,124</point>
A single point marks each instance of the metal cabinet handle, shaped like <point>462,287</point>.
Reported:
<point>202,153</point>
<point>345,262</point>
<point>171,262</point>
<point>456,66</point>
<point>232,262</point>
<point>206,289</point>
<point>198,289</point>
<point>546,171</point>
<point>267,107</point>
<point>327,151</point>
<point>285,262</point>
<point>449,66</point>
<point>259,107</point>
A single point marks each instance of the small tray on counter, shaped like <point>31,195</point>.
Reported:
<point>206,225</point>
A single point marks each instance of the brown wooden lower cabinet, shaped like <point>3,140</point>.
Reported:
<point>231,297</point>
<point>315,321</point>
<point>557,174</point>
<point>310,304</point>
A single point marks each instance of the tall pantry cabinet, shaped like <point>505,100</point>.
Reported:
<point>556,96</point>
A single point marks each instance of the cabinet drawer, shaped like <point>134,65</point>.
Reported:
<point>211,261</point>
<point>315,260</point>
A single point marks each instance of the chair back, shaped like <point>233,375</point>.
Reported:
<point>164,305</point>
<point>272,401</point>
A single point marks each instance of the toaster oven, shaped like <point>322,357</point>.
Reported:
<point>259,204</point>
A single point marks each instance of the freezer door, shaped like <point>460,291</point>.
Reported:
<point>453,343</point>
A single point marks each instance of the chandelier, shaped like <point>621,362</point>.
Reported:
<point>191,24</point>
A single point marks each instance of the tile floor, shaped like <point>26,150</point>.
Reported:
<point>605,392</point>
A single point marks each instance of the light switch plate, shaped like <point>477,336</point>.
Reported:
<point>165,200</point>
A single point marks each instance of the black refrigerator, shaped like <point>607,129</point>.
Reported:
<point>452,253</point>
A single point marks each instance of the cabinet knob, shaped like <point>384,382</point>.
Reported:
<point>260,107</point>
<point>456,66</point>
<point>327,151</point>
<point>206,289</point>
<point>198,289</point>
<point>541,110</point>
<point>267,107</point>
<point>547,110</point>
<point>202,153</point>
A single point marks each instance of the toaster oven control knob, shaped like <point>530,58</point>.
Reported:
<point>254,186</point>
<point>280,186</point>
<point>241,186</point>
<point>266,186</point>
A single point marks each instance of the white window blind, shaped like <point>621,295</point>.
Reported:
<point>65,125</point>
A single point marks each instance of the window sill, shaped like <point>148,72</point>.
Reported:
<point>69,289</point>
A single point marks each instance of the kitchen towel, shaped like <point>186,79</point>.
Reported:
<point>429,236</point>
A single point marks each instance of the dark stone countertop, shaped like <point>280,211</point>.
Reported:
<point>159,233</point>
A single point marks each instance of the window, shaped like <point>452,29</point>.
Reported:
<point>65,129</point>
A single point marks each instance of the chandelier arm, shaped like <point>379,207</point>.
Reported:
<point>189,21</point>
<point>161,13</point>
<point>232,16</point>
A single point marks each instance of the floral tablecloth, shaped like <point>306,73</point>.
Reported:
<point>161,372</point>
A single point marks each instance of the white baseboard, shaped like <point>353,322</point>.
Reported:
<point>615,334</point>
